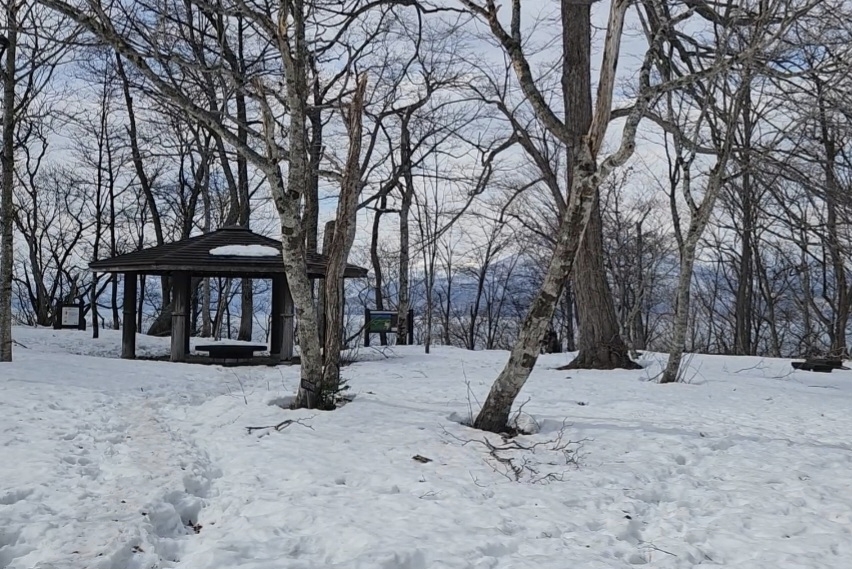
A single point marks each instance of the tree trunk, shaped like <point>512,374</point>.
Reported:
<point>568,309</point>
<point>404,252</point>
<point>162,324</point>
<point>600,345</point>
<point>246,311</point>
<point>344,237</point>
<point>311,210</point>
<point>292,46</point>
<point>206,322</point>
<point>678,344</point>
<point>745,288</point>
<point>327,248</point>
<point>766,288</point>
<point>113,251</point>
<point>293,253</point>
<point>637,325</point>
<point>141,303</point>
<point>494,415</point>
<point>8,166</point>
<point>835,248</point>
<point>103,136</point>
<point>247,296</point>
<point>699,218</point>
<point>377,264</point>
<point>586,178</point>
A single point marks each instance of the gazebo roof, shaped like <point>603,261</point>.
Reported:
<point>194,255</point>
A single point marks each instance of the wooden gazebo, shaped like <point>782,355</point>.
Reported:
<point>228,252</point>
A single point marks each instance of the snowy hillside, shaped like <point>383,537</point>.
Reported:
<point>111,464</point>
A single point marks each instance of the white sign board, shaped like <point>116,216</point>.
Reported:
<point>70,315</point>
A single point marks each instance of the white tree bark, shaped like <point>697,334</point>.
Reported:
<point>587,178</point>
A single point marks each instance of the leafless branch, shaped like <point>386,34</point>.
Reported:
<point>283,425</point>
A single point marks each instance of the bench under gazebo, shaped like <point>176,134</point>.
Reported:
<point>234,252</point>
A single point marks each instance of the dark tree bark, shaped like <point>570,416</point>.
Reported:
<point>162,324</point>
<point>376,261</point>
<point>8,181</point>
<point>835,250</point>
<point>600,343</point>
<point>745,289</point>
<point>637,324</point>
<point>246,296</point>
<point>568,309</point>
<point>113,240</point>
<point>404,252</point>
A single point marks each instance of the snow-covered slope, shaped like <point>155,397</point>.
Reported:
<point>112,464</point>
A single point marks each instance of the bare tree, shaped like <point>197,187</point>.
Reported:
<point>587,175</point>
<point>33,48</point>
<point>718,104</point>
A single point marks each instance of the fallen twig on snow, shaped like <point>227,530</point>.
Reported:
<point>242,389</point>
<point>282,425</point>
<point>650,545</point>
<point>514,460</point>
<point>759,366</point>
<point>384,351</point>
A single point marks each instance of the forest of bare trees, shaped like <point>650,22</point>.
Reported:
<point>602,178</point>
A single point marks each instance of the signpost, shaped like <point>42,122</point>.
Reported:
<point>69,317</point>
<point>384,321</point>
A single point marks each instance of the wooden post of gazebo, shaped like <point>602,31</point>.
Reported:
<point>128,326</point>
<point>180,306</point>
<point>281,334</point>
<point>276,334</point>
<point>289,325</point>
<point>189,322</point>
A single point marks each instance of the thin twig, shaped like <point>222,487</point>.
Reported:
<point>504,460</point>
<point>758,365</point>
<point>650,545</point>
<point>282,425</point>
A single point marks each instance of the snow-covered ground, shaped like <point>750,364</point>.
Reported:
<point>113,464</point>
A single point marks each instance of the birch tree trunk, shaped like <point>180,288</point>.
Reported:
<point>494,415</point>
<point>698,220</point>
<point>587,177</point>
<point>681,321</point>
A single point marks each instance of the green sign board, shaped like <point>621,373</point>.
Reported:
<point>382,322</point>
<point>386,321</point>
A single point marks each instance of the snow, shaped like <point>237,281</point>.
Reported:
<point>245,251</point>
<point>113,464</point>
